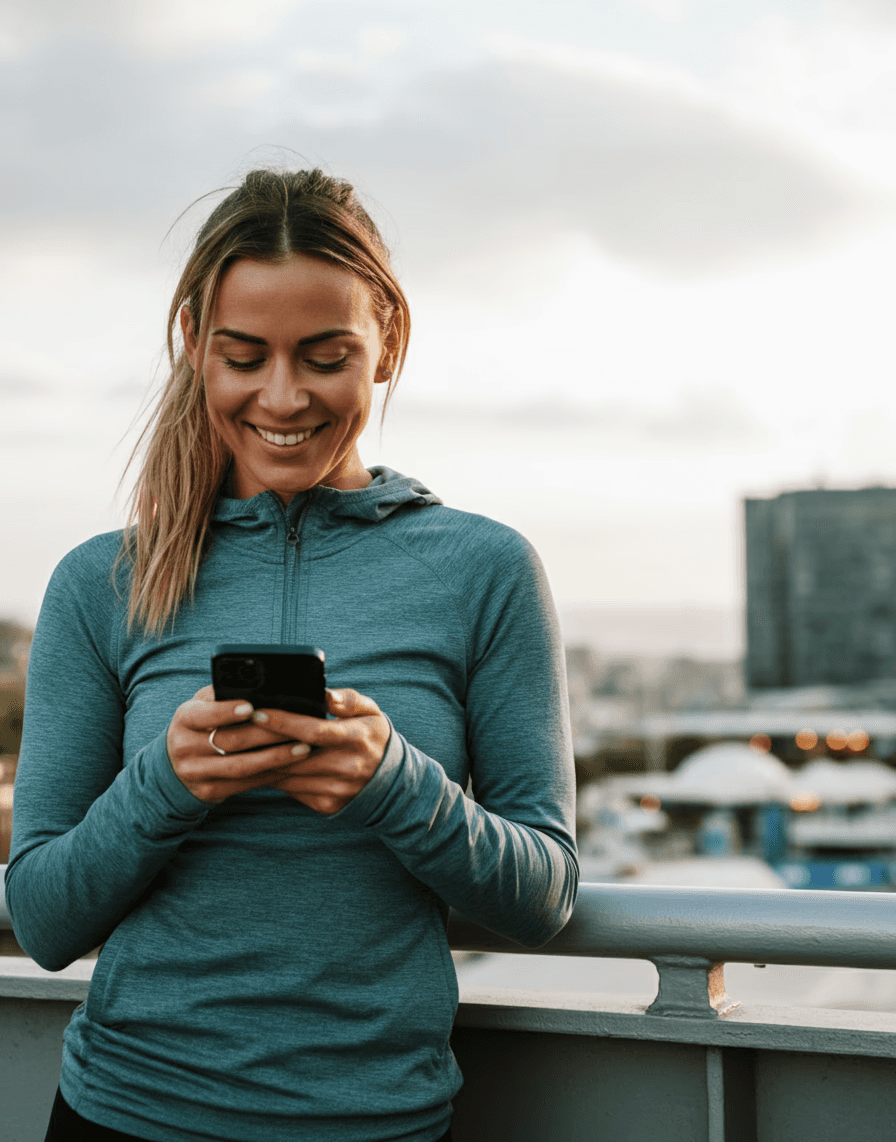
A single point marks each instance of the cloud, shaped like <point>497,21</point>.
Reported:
<point>480,160</point>
<point>151,25</point>
<point>18,384</point>
<point>700,418</point>
<point>880,12</point>
<point>650,172</point>
<point>669,10</point>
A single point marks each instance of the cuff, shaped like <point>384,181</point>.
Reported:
<point>364,804</point>
<point>158,779</point>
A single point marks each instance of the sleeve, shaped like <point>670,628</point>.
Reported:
<point>89,833</point>
<point>508,859</point>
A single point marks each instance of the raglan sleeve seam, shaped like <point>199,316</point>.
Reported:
<point>460,611</point>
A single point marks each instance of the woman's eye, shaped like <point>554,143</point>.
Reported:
<point>328,366</point>
<point>243,366</point>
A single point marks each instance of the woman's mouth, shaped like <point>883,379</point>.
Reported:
<point>285,439</point>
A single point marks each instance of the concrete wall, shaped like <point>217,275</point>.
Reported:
<point>616,1075</point>
<point>30,1058</point>
<point>549,1067</point>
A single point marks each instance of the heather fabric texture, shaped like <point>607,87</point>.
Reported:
<point>267,972</point>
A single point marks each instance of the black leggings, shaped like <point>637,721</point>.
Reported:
<point>66,1125</point>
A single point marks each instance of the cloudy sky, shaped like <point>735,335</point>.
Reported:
<point>649,245</point>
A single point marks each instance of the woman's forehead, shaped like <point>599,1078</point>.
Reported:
<point>296,288</point>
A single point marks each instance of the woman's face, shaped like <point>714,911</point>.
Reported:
<point>293,353</point>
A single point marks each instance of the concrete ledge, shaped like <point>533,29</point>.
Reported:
<point>772,1028</point>
<point>21,978</point>
<point>799,1029</point>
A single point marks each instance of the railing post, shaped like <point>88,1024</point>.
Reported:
<point>691,986</point>
<point>715,1095</point>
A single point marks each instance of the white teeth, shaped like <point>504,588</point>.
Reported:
<point>279,438</point>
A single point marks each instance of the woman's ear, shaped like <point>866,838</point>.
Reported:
<point>191,344</point>
<point>386,367</point>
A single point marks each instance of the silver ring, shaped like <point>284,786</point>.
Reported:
<point>216,748</point>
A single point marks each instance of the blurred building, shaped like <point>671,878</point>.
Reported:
<point>821,587</point>
<point>610,696</point>
<point>15,642</point>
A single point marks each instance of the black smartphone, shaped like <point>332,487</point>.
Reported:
<point>271,676</point>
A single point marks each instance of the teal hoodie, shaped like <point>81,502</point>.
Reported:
<point>269,973</point>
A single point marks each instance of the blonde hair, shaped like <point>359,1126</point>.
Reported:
<point>271,215</point>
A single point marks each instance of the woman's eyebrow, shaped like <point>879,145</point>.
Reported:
<point>312,340</point>
<point>237,336</point>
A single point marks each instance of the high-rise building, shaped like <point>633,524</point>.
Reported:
<point>821,587</point>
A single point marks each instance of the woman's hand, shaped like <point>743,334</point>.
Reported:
<point>346,753</point>
<point>207,774</point>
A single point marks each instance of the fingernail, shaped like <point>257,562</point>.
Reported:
<point>300,749</point>
<point>260,716</point>
<point>242,709</point>
<point>338,697</point>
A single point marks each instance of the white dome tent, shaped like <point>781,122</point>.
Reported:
<point>847,782</point>
<point>731,773</point>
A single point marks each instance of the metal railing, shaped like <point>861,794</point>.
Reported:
<point>691,933</point>
<point>737,925</point>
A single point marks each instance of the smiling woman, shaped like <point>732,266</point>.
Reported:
<point>294,352</point>
<point>271,889</point>
<point>242,258</point>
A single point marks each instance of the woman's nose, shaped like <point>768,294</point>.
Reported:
<point>284,393</point>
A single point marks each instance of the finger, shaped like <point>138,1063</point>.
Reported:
<point>315,731</point>
<point>244,737</point>
<point>217,789</point>
<point>200,714</point>
<point>206,694</point>
<point>295,786</point>
<point>350,704</point>
<point>337,765</point>
<point>344,704</point>
<point>275,761</point>
<point>250,766</point>
<point>319,786</point>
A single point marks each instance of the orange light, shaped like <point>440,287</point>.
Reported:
<point>837,740</point>
<point>650,803</point>
<point>805,803</point>
<point>761,742</point>
<point>807,739</point>
<point>858,740</point>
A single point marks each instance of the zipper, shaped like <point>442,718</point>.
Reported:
<point>292,558</point>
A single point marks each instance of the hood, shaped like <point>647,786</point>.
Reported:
<point>325,512</point>
<point>385,493</point>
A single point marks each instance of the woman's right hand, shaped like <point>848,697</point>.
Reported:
<point>212,777</point>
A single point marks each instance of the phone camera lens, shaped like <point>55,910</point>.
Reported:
<point>244,673</point>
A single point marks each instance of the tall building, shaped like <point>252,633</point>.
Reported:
<point>821,587</point>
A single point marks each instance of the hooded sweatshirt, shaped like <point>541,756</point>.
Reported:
<point>268,972</point>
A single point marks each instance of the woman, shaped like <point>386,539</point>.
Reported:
<point>271,890</point>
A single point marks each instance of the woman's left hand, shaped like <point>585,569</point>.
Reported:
<point>345,753</point>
